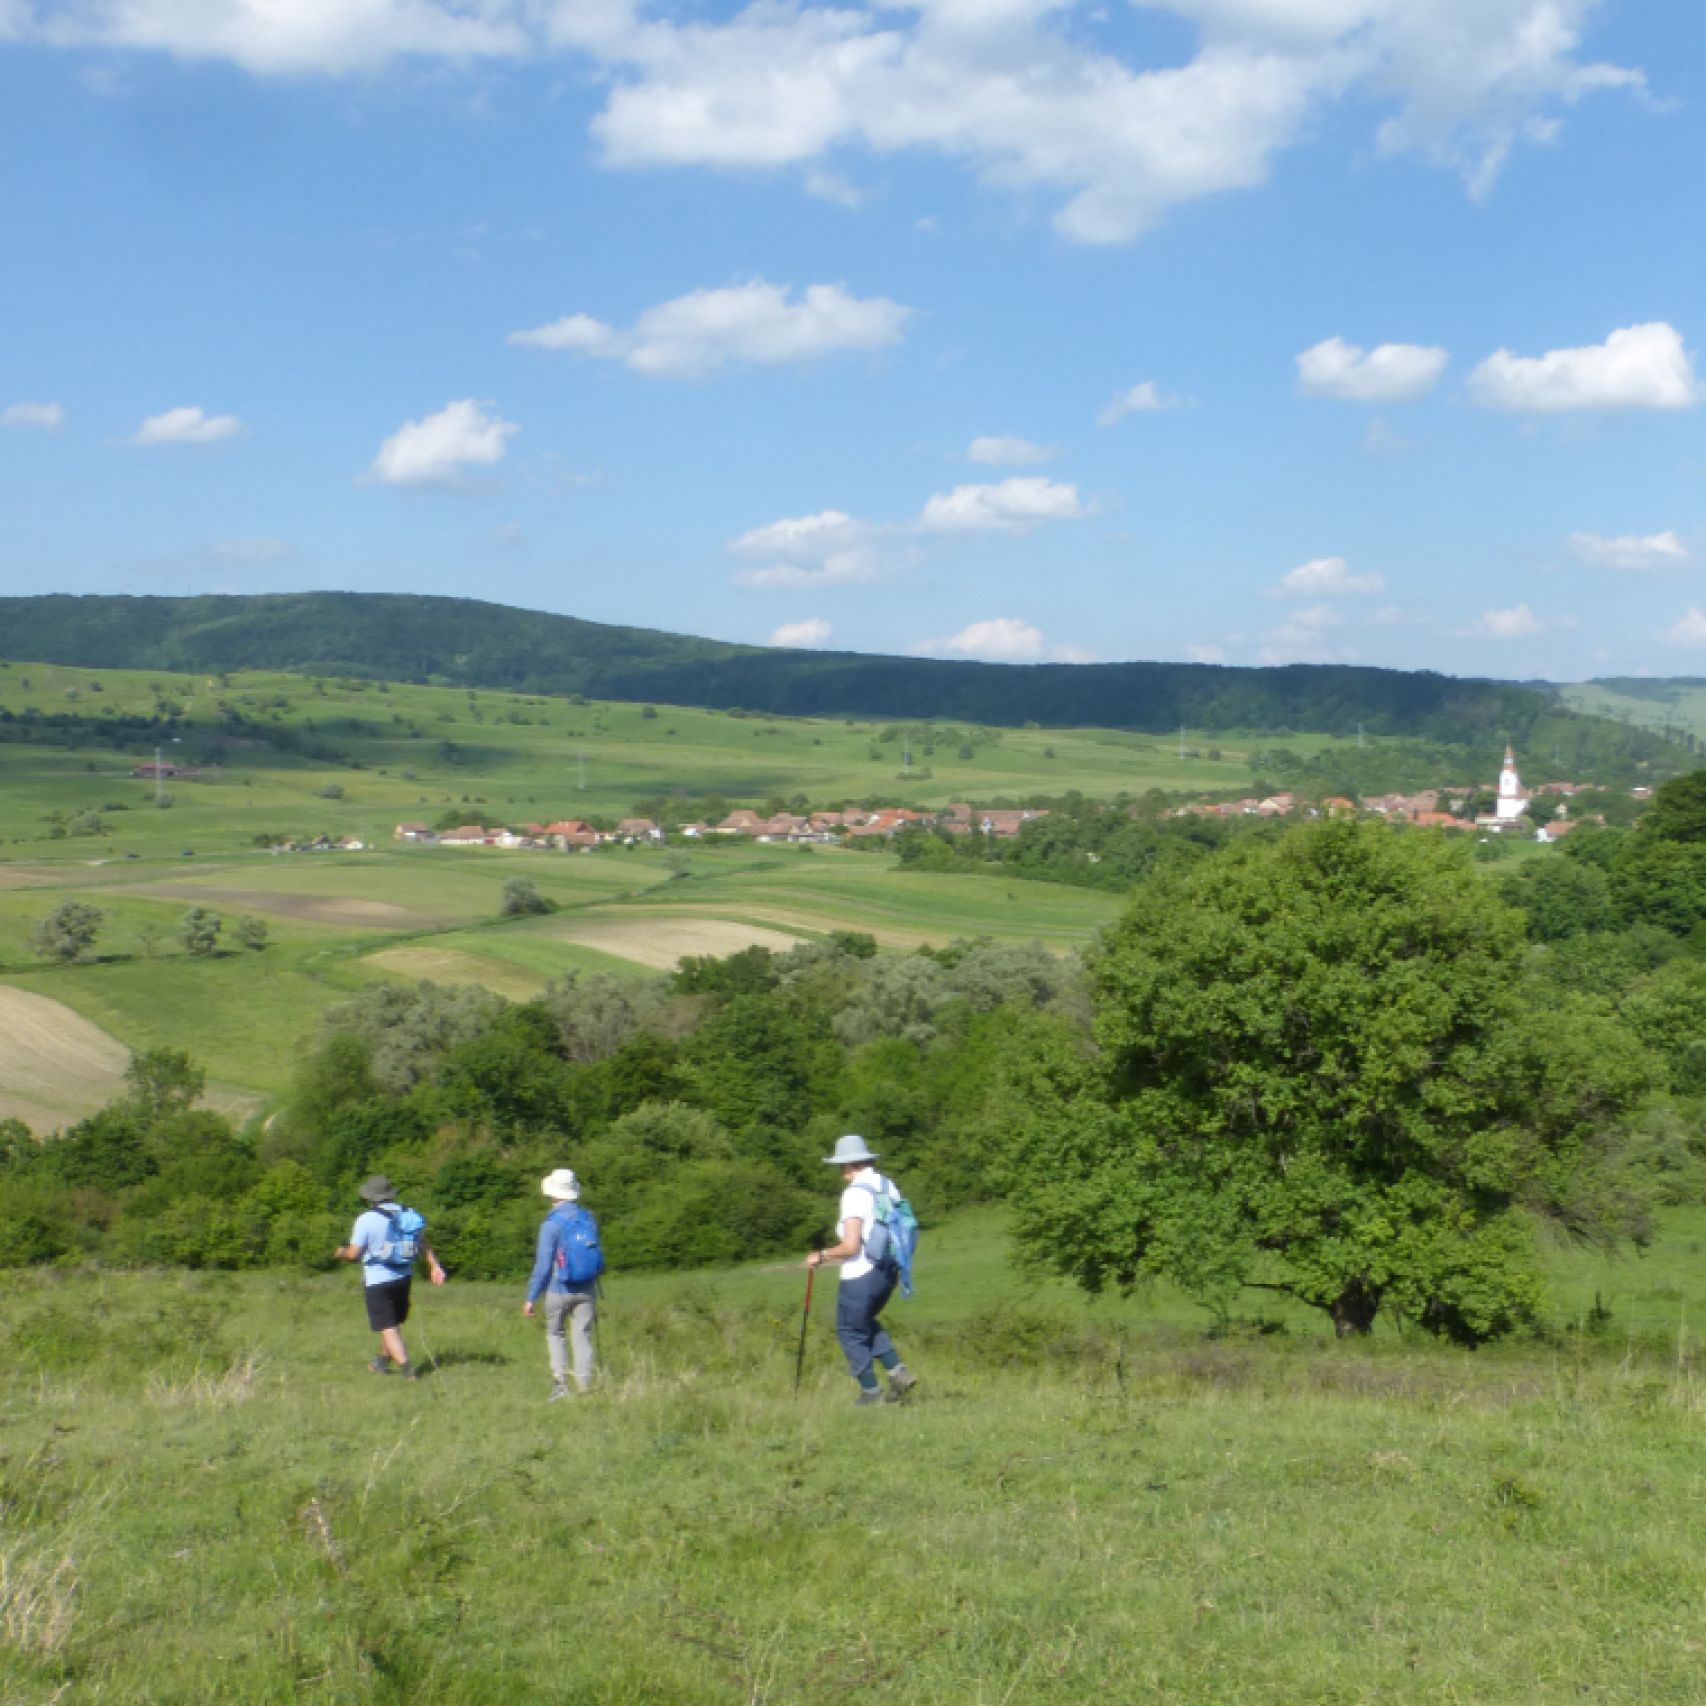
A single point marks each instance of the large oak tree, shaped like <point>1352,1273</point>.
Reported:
<point>1321,1071</point>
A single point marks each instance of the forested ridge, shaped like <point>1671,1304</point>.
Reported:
<point>466,642</point>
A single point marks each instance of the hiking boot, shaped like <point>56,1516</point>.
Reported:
<point>560,1390</point>
<point>379,1365</point>
<point>901,1382</point>
<point>867,1395</point>
<point>408,1371</point>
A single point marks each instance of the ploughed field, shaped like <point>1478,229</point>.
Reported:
<point>206,1497</point>
<point>337,922</point>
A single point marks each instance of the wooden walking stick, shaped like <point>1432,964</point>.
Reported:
<point>805,1317</point>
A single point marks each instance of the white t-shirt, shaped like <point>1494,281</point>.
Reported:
<point>858,1201</point>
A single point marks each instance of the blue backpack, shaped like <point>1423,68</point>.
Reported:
<point>580,1258</point>
<point>402,1242</point>
<point>891,1240</point>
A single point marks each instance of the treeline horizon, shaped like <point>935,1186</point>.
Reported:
<point>464,642</point>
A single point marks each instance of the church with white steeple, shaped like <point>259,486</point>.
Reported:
<point>1511,806</point>
<point>1513,801</point>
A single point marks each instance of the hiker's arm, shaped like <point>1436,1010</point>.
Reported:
<point>435,1268</point>
<point>543,1256</point>
<point>852,1242</point>
<point>348,1253</point>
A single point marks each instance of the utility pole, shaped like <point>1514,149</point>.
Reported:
<point>1181,741</point>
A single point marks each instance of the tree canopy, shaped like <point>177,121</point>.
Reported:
<point>1319,1072</point>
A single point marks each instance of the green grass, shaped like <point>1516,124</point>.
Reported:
<point>202,1496</point>
<point>1663,705</point>
<point>244,1015</point>
<point>517,758</point>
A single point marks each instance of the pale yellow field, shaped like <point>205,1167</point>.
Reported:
<point>54,1066</point>
<point>450,965</point>
<point>660,941</point>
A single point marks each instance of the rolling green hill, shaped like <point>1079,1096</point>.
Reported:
<point>460,642</point>
<point>1675,706</point>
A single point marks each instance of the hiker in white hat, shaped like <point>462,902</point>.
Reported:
<point>865,1285</point>
<point>566,1270</point>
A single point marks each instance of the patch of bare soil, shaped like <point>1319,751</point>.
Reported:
<point>311,908</point>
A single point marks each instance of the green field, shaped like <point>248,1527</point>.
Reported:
<point>1670,705</point>
<point>339,921</point>
<point>420,752</point>
<point>204,1497</point>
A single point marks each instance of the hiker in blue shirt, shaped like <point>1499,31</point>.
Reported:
<point>566,1271</point>
<point>386,1239</point>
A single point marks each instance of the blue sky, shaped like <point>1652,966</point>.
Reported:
<point>1241,330</point>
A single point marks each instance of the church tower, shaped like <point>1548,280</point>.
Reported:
<point>1513,802</point>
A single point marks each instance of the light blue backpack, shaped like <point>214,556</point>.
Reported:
<point>891,1240</point>
<point>402,1242</point>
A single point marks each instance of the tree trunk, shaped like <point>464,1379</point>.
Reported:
<point>1354,1309</point>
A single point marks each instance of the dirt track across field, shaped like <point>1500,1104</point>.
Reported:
<point>56,1067</point>
<point>659,941</point>
<point>310,908</point>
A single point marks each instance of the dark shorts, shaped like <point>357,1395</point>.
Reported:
<point>387,1304</point>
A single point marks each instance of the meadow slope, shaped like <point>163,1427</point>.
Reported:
<point>206,1498</point>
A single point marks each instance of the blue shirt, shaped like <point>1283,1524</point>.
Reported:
<point>545,1270</point>
<point>372,1228</point>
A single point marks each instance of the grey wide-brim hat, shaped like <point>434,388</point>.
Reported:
<point>561,1186</point>
<point>375,1189</point>
<point>848,1151</point>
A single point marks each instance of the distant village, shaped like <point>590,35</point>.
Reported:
<point>575,835</point>
<point>1435,808</point>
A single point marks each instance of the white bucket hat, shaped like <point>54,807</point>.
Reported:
<point>561,1186</point>
<point>848,1151</point>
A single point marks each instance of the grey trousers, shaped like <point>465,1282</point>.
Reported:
<point>572,1312</point>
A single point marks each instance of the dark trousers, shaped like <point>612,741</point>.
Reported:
<point>857,1305</point>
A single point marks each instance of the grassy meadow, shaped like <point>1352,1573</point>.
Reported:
<point>337,922</point>
<point>418,752</point>
<point>204,1496</point>
<point>1663,705</point>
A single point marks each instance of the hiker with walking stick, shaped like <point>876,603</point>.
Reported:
<point>876,1231</point>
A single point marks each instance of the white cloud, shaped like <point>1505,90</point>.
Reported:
<point>1009,452</point>
<point>1389,373</point>
<point>47,417</point>
<point>1301,638</point>
<point>1688,630</point>
<point>833,188</point>
<point>437,450</point>
<point>290,37</point>
<point>1144,398</point>
<point>1002,639</point>
<point>1012,506</point>
<point>1031,94</point>
<point>1328,577</point>
<point>830,548</point>
<point>1516,623</point>
<point>755,324</point>
<point>811,632</point>
<point>1630,552</point>
<point>1205,654</point>
<point>1639,367</point>
<point>187,426</point>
